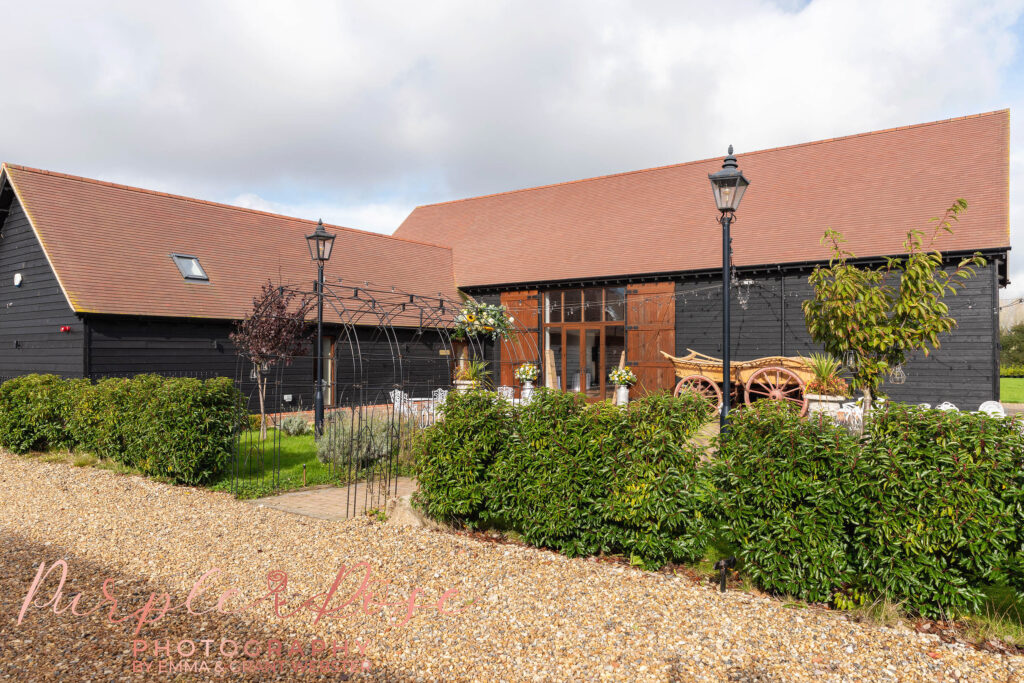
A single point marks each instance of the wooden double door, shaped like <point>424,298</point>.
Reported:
<point>582,356</point>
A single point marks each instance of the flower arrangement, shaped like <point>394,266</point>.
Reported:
<point>527,372</point>
<point>477,318</point>
<point>622,377</point>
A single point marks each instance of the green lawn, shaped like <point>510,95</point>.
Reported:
<point>1011,389</point>
<point>256,474</point>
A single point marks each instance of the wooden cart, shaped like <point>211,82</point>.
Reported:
<point>777,378</point>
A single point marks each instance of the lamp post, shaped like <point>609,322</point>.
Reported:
<point>728,186</point>
<point>320,244</point>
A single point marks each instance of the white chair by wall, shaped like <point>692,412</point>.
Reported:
<point>946,405</point>
<point>926,406</point>
<point>993,408</point>
<point>507,393</point>
<point>437,399</point>
<point>400,400</point>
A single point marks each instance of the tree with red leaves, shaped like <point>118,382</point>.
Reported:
<point>276,331</point>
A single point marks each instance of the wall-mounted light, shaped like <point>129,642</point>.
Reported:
<point>18,279</point>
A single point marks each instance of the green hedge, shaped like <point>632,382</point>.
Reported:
<point>923,510</point>
<point>1011,370</point>
<point>782,493</point>
<point>578,478</point>
<point>178,428</point>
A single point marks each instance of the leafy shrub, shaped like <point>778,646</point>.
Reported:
<point>1011,370</point>
<point>349,439</point>
<point>35,410</point>
<point>581,479</point>
<point>254,422</point>
<point>924,510</point>
<point>293,425</point>
<point>179,428</point>
<point>935,491</point>
<point>782,492</point>
<point>454,456</point>
<point>589,479</point>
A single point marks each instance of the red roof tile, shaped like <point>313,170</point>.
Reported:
<point>871,187</point>
<point>110,246</point>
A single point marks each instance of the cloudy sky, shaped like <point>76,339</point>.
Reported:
<point>359,111</point>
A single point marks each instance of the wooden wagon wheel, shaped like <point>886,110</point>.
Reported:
<point>777,384</point>
<point>703,386</point>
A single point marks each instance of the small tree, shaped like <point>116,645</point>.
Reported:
<point>1011,344</point>
<point>880,314</point>
<point>275,332</point>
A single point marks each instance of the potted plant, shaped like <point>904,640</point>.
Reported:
<point>471,375</point>
<point>527,374</point>
<point>827,391</point>
<point>622,378</point>
<point>478,319</point>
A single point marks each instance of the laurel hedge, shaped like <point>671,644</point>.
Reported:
<point>181,429</point>
<point>582,479</point>
<point>923,510</point>
<point>926,508</point>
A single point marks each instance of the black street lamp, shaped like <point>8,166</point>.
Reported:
<point>320,244</point>
<point>728,186</point>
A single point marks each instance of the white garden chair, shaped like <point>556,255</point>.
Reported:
<point>400,400</point>
<point>854,415</point>
<point>507,393</point>
<point>437,399</point>
<point>993,408</point>
<point>946,405</point>
<point>926,406</point>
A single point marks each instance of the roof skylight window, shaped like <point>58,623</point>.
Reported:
<point>189,267</point>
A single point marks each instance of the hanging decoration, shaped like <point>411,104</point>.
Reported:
<point>480,319</point>
<point>850,360</point>
<point>743,292</point>
<point>897,375</point>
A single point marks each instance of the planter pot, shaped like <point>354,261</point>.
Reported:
<point>621,394</point>
<point>823,403</point>
<point>527,392</point>
<point>464,385</point>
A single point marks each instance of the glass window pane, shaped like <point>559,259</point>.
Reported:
<point>572,312</point>
<point>592,363</point>
<point>592,304</point>
<point>614,347</point>
<point>553,341</point>
<point>615,304</point>
<point>572,360</point>
<point>553,307</point>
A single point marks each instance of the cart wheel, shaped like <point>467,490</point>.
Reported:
<point>703,386</point>
<point>777,384</point>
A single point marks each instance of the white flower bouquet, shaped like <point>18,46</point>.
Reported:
<point>527,372</point>
<point>622,377</point>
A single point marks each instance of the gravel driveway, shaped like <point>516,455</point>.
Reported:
<point>518,614</point>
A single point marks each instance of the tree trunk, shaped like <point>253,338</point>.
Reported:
<point>867,401</point>
<point>261,383</point>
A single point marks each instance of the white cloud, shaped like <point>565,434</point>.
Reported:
<point>376,217</point>
<point>359,110</point>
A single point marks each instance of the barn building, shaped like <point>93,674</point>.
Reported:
<point>98,279</point>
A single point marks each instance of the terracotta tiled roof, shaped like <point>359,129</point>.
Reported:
<point>110,246</point>
<point>871,187</point>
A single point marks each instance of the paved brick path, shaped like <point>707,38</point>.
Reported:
<point>330,502</point>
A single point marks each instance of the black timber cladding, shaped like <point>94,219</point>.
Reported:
<point>369,362</point>
<point>32,315</point>
<point>964,370</point>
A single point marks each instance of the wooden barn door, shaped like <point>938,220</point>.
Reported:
<point>522,348</point>
<point>650,327</point>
